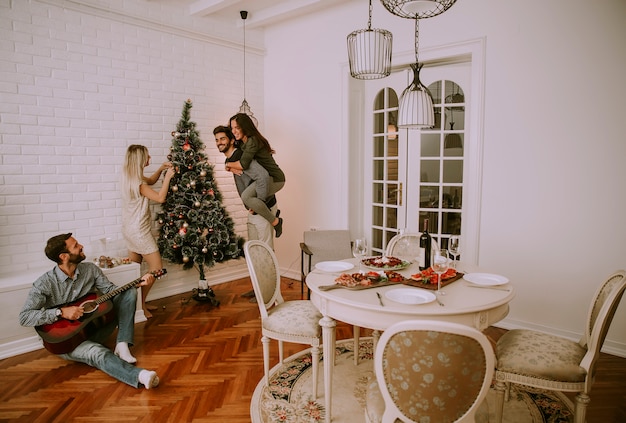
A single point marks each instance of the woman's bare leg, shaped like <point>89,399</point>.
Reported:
<point>154,265</point>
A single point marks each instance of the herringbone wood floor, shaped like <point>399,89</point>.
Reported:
<point>209,361</point>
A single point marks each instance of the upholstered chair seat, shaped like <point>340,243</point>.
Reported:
<point>540,355</point>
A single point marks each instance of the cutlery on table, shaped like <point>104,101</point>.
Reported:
<point>380,299</point>
<point>439,302</point>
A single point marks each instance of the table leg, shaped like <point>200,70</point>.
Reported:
<point>356,334</point>
<point>328,338</point>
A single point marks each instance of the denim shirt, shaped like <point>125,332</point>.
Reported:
<point>54,289</point>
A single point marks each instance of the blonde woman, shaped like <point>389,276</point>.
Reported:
<point>136,217</point>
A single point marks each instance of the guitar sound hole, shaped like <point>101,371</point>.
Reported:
<point>89,306</point>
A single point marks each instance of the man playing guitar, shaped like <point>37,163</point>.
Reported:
<point>50,300</point>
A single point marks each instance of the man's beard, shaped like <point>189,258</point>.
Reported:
<point>77,258</point>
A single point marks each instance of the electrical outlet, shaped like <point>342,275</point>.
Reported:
<point>313,228</point>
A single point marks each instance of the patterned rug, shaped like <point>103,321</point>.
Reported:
<point>288,399</point>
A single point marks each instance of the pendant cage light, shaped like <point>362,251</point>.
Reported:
<point>415,110</point>
<point>245,107</point>
<point>369,51</point>
<point>417,9</point>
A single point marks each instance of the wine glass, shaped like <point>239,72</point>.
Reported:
<point>454,248</point>
<point>359,250</point>
<point>440,266</point>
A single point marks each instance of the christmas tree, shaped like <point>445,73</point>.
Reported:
<point>196,230</point>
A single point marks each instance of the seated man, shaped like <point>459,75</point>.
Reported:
<point>69,281</point>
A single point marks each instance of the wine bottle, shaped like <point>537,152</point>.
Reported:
<point>425,246</point>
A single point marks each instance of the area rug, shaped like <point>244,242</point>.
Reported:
<point>288,397</point>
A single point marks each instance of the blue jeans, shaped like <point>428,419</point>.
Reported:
<point>93,353</point>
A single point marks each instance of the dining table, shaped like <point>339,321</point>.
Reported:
<point>376,307</point>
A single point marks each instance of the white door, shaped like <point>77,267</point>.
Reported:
<point>417,175</point>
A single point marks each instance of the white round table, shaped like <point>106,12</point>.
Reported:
<point>464,303</point>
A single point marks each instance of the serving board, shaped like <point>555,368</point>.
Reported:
<point>407,282</point>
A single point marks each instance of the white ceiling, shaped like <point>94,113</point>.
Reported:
<point>261,13</point>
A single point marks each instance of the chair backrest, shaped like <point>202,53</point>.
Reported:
<point>328,245</point>
<point>406,246</point>
<point>264,273</point>
<point>433,371</point>
<point>599,319</point>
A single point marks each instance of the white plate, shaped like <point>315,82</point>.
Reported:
<point>333,266</point>
<point>410,296</point>
<point>485,279</point>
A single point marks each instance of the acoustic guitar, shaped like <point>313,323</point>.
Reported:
<point>64,335</point>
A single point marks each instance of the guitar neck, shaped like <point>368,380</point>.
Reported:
<point>157,274</point>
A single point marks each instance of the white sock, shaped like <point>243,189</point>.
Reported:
<point>122,351</point>
<point>148,378</point>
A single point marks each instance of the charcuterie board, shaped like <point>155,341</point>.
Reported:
<point>386,282</point>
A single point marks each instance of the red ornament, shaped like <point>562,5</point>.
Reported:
<point>186,146</point>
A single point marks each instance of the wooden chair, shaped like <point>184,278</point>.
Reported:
<point>320,246</point>
<point>291,321</point>
<point>430,371</point>
<point>530,358</point>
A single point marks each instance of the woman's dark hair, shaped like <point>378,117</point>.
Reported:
<point>249,130</point>
<point>56,246</point>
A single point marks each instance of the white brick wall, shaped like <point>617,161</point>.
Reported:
<point>78,84</point>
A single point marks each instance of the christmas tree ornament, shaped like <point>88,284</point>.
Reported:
<point>185,225</point>
<point>174,188</point>
<point>203,173</point>
<point>197,204</point>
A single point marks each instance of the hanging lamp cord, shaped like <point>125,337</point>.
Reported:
<point>417,43</point>
<point>244,16</point>
<point>369,22</point>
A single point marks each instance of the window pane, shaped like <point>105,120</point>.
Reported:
<point>392,170</point>
<point>392,148</point>
<point>430,145</point>
<point>429,196</point>
<point>379,146</point>
<point>392,218</point>
<point>377,238</point>
<point>453,145</point>
<point>453,171</point>
<point>379,123</point>
<point>377,216</point>
<point>392,194</point>
<point>429,171</point>
<point>393,98</point>
<point>451,223</point>
<point>379,170</point>
<point>452,197</point>
<point>379,101</point>
<point>377,193</point>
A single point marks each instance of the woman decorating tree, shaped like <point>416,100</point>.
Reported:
<point>136,217</point>
<point>256,147</point>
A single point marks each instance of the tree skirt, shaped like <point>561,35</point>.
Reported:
<point>289,399</point>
